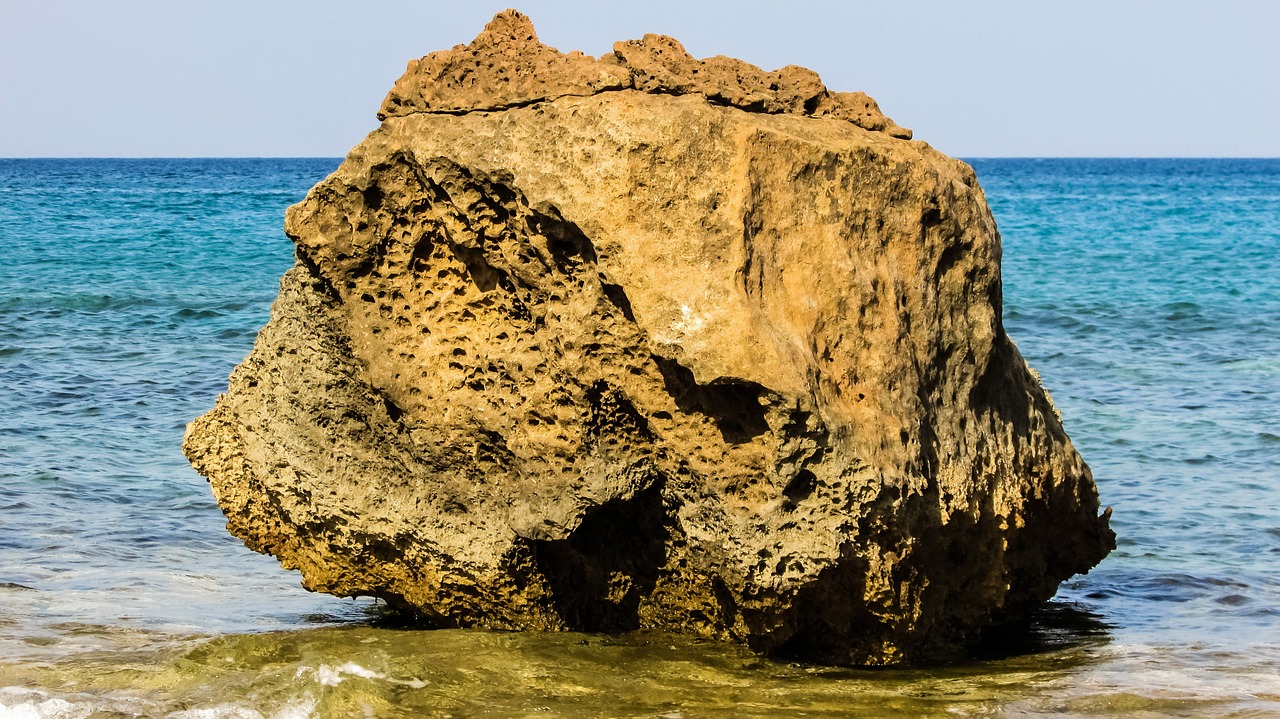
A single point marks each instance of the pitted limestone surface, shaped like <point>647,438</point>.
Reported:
<point>660,358</point>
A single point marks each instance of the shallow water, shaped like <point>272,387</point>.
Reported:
<point>1147,294</point>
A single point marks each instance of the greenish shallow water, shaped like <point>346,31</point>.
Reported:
<point>1147,293</point>
<point>364,671</point>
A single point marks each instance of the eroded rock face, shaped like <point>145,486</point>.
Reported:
<point>506,66</point>
<point>651,342</point>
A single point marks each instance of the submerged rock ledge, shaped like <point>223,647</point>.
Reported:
<point>651,342</point>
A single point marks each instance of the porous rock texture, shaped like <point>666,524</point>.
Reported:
<point>647,341</point>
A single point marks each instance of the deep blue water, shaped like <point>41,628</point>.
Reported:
<point>1145,292</point>
<point>128,289</point>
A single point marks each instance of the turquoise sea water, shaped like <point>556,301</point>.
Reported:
<point>1146,293</point>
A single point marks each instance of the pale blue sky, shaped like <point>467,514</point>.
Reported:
<point>290,78</point>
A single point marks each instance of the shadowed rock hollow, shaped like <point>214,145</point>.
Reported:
<point>646,341</point>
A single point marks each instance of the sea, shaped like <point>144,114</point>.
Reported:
<point>1145,292</point>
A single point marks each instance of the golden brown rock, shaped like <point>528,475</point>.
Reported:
<point>696,354</point>
<point>506,67</point>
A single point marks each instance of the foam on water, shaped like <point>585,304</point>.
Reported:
<point>1146,293</point>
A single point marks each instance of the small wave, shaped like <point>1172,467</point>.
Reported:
<point>25,703</point>
<point>1176,588</point>
<point>1205,459</point>
<point>299,709</point>
<point>195,314</point>
<point>20,703</point>
<point>15,585</point>
<point>332,676</point>
<point>81,302</point>
<point>1264,366</point>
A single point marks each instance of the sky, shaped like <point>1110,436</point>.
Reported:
<point>975,78</point>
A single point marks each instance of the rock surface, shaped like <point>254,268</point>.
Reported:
<point>506,67</point>
<point>651,342</point>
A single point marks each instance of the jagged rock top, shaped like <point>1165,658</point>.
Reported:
<point>507,66</point>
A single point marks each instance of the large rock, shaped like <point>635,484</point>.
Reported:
<point>648,341</point>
